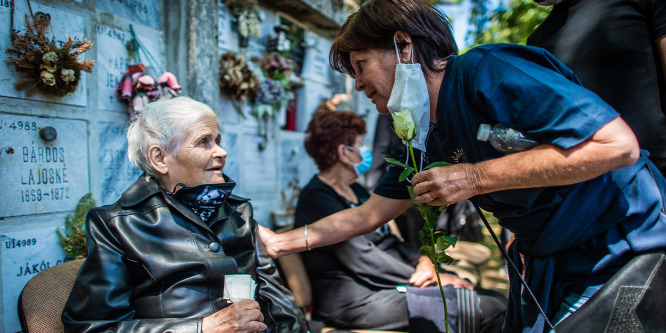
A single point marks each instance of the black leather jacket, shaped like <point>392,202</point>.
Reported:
<point>154,266</point>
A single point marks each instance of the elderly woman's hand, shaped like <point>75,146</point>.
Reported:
<point>425,276</point>
<point>446,185</point>
<point>425,273</point>
<point>242,316</point>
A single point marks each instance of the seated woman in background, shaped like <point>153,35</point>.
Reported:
<point>354,282</point>
<point>158,257</point>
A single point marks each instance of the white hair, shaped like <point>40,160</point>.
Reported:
<point>165,123</point>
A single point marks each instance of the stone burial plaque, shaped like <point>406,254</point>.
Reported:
<point>227,39</point>
<point>118,173</point>
<point>24,255</point>
<point>146,12</point>
<point>42,176</point>
<point>112,61</point>
<point>315,64</point>
<point>260,171</point>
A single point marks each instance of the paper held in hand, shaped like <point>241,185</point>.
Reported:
<point>238,287</point>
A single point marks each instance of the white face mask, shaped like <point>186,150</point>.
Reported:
<point>410,92</point>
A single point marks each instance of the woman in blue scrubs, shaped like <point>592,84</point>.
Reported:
<point>581,204</point>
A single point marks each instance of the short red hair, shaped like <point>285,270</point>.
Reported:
<point>329,129</point>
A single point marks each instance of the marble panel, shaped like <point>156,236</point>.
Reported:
<point>118,173</point>
<point>42,176</point>
<point>146,12</point>
<point>63,23</point>
<point>24,254</point>
<point>315,64</point>
<point>113,58</point>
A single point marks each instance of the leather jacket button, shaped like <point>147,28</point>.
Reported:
<point>214,247</point>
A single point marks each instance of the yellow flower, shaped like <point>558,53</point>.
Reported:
<point>49,61</point>
<point>47,78</point>
<point>67,75</point>
<point>403,124</point>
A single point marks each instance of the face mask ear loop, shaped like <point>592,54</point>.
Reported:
<point>397,53</point>
<point>411,54</point>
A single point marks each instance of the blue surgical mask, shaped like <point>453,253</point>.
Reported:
<point>366,160</point>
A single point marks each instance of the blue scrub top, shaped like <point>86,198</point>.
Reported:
<point>573,236</point>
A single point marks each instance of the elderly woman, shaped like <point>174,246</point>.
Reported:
<point>158,257</point>
<point>354,282</point>
<point>581,205</point>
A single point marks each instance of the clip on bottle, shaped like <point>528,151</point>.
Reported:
<point>504,139</point>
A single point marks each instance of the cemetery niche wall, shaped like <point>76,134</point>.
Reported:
<point>56,149</point>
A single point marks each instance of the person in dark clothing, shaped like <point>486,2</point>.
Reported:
<point>354,282</point>
<point>617,48</point>
<point>581,204</point>
<point>159,257</point>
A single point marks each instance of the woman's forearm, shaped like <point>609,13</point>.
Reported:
<point>338,227</point>
<point>613,146</point>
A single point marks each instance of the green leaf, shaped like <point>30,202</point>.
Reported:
<point>72,238</point>
<point>442,244</point>
<point>428,251</point>
<point>450,239</point>
<point>437,164</point>
<point>396,162</point>
<point>405,173</point>
<point>443,257</point>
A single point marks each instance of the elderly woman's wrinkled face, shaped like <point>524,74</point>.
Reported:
<point>375,72</point>
<point>200,158</point>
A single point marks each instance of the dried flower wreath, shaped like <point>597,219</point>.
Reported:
<point>54,71</point>
<point>236,78</point>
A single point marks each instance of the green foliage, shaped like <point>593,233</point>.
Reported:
<point>433,242</point>
<point>511,23</point>
<point>73,240</point>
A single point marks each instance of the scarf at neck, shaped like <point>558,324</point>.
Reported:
<point>206,199</point>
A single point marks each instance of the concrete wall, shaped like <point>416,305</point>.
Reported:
<point>42,180</point>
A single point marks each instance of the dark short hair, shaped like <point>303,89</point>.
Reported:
<point>329,129</point>
<point>375,23</point>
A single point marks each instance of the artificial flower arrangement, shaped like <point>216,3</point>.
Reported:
<point>236,79</point>
<point>137,88</point>
<point>274,92</point>
<point>52,70</point>
<point>433,242</point>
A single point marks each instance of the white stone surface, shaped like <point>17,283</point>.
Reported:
<point>309,97</point>
<point>260,169</point>
<point>146,12</point>
<point>24,254</point>
<point>232,165</point>
<point>42,177</point>
<point>315,64</point>
<point>296,166</point>
<point>117,172</point>
<point>227,39</point>
<point>63,23</point>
